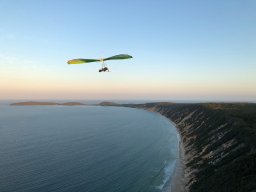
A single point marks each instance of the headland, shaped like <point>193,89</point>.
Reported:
<point>219,142</point>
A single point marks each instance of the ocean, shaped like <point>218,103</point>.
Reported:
<point>85,149</point>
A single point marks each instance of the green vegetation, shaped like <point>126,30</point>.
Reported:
<point>219,141</point>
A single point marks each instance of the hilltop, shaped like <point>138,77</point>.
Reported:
<point>107,103</point>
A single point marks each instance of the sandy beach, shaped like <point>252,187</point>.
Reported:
<point>178,181</point>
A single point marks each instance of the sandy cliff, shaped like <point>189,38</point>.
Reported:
<point>219,142</point>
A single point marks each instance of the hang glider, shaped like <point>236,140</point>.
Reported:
<point>104,67</point>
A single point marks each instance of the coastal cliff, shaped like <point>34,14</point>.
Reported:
<point>219,142</point>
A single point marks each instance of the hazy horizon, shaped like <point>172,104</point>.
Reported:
<point>125,101</point>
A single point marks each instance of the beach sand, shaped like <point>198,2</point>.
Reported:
<point>178,181</point>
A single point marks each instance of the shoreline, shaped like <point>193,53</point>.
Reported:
<point>218,141</point>
<point>177,182</point>
<point>178,177</point>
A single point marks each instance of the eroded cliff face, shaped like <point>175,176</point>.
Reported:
<point>219,142</point>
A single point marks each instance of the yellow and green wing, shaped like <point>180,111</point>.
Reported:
<point>116,57</point>
<point>80,61</point>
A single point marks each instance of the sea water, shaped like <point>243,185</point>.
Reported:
<point>85,148</point>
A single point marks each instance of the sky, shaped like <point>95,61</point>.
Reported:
<point>182,50</point>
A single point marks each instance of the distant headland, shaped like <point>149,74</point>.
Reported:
<point>41,103</point>
<point>108,103</point>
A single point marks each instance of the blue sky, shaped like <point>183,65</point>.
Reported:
<point>195,50</point>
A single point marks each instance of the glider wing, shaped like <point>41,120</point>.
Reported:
<point>80,61</point>
<point>116,57</point>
